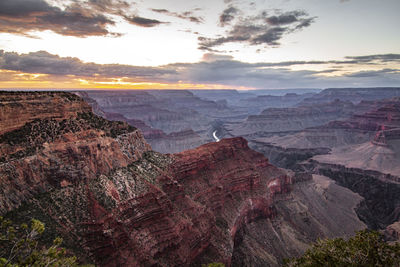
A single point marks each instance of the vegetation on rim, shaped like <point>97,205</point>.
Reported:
<point>20,246</point>
<point>366,248</point>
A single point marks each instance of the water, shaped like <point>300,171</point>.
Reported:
<point>215,136</point>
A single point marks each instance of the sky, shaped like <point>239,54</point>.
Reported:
<point>199,44</point>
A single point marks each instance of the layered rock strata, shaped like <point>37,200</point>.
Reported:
<point>287,120</point>
<point>360,153</point>
<point>117,203</point>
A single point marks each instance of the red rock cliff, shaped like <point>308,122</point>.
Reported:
<point>98,184</point>
<point>40,149</point>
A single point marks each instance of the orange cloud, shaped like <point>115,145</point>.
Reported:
<point>20,80</point>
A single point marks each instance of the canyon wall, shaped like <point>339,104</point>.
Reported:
<point>361,153</point>
<point>117,203</point>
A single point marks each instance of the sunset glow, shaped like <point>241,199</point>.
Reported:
<point>198,44</point>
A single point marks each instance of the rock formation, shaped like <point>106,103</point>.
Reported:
<point>286,120</point>
<point>160,141</point>
<point>354,95</point>
<point>117,203</point>
<point>347,152</point>
<point>262,102</point>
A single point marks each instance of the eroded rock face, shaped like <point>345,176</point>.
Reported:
<point>61,148</point>
<point>392,232</point>
<point>381,192</point>
<point>286,120</point>
<point>166,118</point>
<point>98,184</point>
<point>315,208</point>
<point>160,141</point>
<point>16,109</point>
<point>177,141</point>
<point>167,110</point>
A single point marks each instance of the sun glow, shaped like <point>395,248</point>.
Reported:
<point>14,79</point>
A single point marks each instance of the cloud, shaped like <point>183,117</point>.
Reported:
<point>373,73</point>
<point>24,16</point>
<point>77,18</point>
<point>116,7</point>
<point>187,15</point>
<point>285,18</point>
<point>257,30</point>
<point>376,58</point>
<point>46,63</point>
<point>144,22</point>
<point>227,15</point>
<point>212,69</point>
<point>265,75</point>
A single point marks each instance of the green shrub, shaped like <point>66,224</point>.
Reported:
<point>366,248</point>
<point>19,246</point>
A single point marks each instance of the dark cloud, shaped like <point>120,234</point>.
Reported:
<point>24,16</point>
<point>304,23</point>
<point>264,75</point>
<point>227,16</point>
<point>257,30</point>
<point>374,58</point>
<point>78,18</point>
<point>230,72</point>
<point>22,8</point>
<point>163,11</point>
<point>213,69</point>
<point>285,18</point>
<point>372,73</point>
<point>328,71</point>
<point>270,37</point>
<point>46,63</point>
<point>144,22</point>
<point>187,15</point>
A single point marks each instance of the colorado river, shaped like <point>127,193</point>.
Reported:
<point>215,136</point>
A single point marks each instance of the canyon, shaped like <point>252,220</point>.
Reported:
<point>359,151</point>
<point>98,183</point>
<point>339,128</point>
<point>177,120</point>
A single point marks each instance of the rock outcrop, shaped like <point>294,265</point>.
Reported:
<point>58,148</point>
<point>18,109</point>
<point>286,120</point>
<point>392,232</point>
